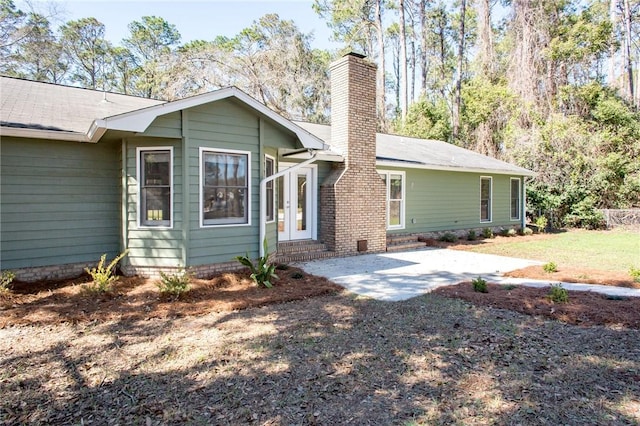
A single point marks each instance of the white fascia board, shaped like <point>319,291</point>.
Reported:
<point>138,121</point>
<point>403,165</point>
<point>20,132</point>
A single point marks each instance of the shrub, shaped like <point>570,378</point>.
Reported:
<point>174,285</point>
<point>512,233</point>
<point>472,236</point>
<point>585,215</point>
<point>282,266</point>
<point>262,272</point>
<point>448,237</point>
<point>541,222</point>
<point>635,274</point>
<point>6,279</point>
<point>487,233</point>
<point>103,276</point>
<point>508,286</point>
<point>550,267</point>
<point>527,231</point>
<point>297,275</point>
<point>480,285</point>
<point>558,294</point>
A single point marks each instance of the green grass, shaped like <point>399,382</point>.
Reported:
<point>615,250</point>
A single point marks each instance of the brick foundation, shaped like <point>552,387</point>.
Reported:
<point>56,272</point>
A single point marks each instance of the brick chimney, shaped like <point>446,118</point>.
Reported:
<point>353,197</point>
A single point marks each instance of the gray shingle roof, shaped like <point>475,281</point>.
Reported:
<point>34,105</point>
<point>402,151</point>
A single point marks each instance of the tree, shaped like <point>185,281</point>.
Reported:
<point>83,41</point>
<point>151,41</point>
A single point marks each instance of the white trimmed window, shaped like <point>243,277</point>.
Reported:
<point>224,187</point>
<point>269,170</point>
<point>155,178</point>
<point>486,184</point>
<point>394,182</point>
<point>515,199</point>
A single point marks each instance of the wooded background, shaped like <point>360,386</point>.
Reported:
<point>550,85</point>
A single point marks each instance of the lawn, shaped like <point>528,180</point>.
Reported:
<point>615,250</point>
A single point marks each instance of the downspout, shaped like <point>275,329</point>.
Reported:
<point>523,214</point>
<point>263,194</point>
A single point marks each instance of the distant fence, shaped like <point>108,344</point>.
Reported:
<point>621,217</point>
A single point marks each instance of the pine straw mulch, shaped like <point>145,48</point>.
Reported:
<point>136,298</point>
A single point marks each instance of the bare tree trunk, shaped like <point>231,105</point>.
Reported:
<point>487,57</point>
<point>423,47</point>
<point>412,79</point>
<point>458,97</point>
<point>628,62</point>
<point>403,64</point>
<point>613,5</point>
<point>382,104</point>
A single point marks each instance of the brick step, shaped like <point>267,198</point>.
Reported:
<point>303,257</point>
<point>291,247</point>
<point>398,239</point>
<point>405,246</point>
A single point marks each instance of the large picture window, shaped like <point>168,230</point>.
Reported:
<point>155,181</point>
<point>394,182</point>
<point>485,199</point>
<point>225,181</point>
<point>515,199</point>
<point>269,170</point>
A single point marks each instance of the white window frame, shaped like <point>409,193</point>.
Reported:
<point>519,207</point>
<point>403,201</point>
<point>204,150</point>
<point>490,212</point>
<point>161,224</point>
<point>273,183</point>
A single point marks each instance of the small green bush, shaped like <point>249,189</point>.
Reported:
<point>635,274</point>
<point>282,266</point>
<point>103,276</point>
<point>448,237</point>
<point>487,233</point>
<point>527,231</point>
<point>480,285</point>
<point>558,294</point>
<point>6,279</point>
<point>512,232</point>
<point>504,232</point>
<point>472,236</point>
<point>262,272</point>
<point>508,286</point>
<point>550,267</point>
<point>297,275</point>
<point>174,285</point>
<point>541,222</point>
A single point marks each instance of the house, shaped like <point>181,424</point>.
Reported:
<point>195,182</point>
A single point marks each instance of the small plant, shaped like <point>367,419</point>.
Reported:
<point>174,285</point>
<point>480,285</point>
<point>6,279</point>
<point>448,237</point>
<point>527,231</point>
<point>282,266</point>
<point>508,286</point>
<point>558,294</point>
<point>504,232</point>
<point>262,272</point>
<point>472,236</point>
<point>635,274</point>
<point>297,275</point>
<point>487,233</point>
<point>550,267</point>
<point>512,232</point>
<point>103,276</point>
<point>541,222</point>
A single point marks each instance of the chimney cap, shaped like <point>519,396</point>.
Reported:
<point>356,55</point>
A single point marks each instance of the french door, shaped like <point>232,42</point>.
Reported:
<point>297,204</point>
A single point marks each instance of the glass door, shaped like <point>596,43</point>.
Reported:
<point>295,205</point>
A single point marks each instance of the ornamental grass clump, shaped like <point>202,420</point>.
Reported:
<point>104,276</point>
<point>174,285</point>
<point>558,294</point>
<point>6,279</point>
<point>480,285</point>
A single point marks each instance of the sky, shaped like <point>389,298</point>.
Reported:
<point>194,19</point>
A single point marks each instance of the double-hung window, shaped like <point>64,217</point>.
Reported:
<point>394,182</point>
<point>155,180</point>
<point>224,187</point>
<point>269,170</point>
<point>515,199</point>
<point>485,199</point>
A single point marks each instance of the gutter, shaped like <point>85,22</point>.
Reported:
<point>263,194</point>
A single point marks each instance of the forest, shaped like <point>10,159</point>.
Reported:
<point>551,85</point>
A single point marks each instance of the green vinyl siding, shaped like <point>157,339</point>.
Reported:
<point>153,245</point>
<point>222,125</point>
<point>446,200</point>
<point>59,202</point>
